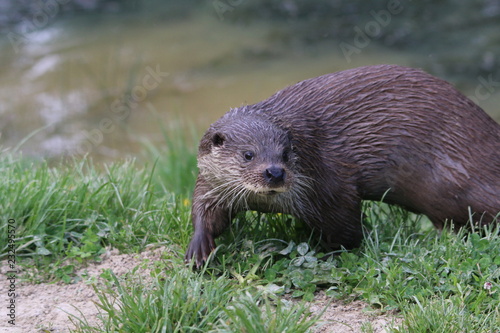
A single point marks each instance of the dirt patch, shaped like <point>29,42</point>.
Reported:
<point>47,307</point>
<point>340,317</point>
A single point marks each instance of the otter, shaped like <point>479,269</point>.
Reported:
<point>316,149</point>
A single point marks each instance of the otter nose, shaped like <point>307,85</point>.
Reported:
<point>274,175</point>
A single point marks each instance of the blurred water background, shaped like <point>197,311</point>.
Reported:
<point>99,77</point>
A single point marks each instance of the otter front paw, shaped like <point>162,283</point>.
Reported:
<point>200,247</point>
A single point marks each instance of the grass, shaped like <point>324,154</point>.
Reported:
<point>176,158</point>
<point>66,215</point>
<point>183,301</point>
<point>74,211</point>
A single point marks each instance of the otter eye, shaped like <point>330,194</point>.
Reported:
<point>248,155</point>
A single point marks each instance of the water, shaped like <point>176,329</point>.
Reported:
<point>101,84</point>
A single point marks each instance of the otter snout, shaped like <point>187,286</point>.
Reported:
<point>275,175</point>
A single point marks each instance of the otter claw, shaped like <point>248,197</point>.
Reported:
<point>200,247</point>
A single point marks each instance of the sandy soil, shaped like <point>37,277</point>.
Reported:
<point>46,307</point>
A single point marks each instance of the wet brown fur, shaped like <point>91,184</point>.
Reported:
<point>352,136</point>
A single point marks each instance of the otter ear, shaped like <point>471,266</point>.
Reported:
<point>209,141</point>
<point>218,139</point>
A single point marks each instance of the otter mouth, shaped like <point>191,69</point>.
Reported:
<point>266,191</point>
<point>270,193</point>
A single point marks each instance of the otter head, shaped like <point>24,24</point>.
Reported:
<point>242,157</point>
